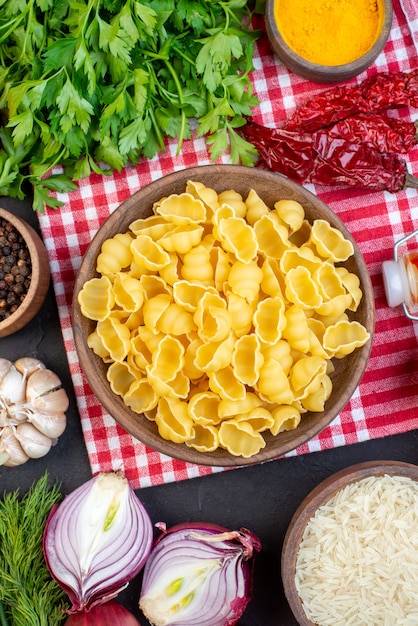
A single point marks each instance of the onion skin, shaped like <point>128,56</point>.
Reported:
<point>96,540</point>
<point>199,574</point>
<point>108,614</point>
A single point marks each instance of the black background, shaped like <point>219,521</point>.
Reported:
<point>262,498</point>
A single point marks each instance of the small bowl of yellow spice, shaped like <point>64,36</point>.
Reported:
<point>328,41</point>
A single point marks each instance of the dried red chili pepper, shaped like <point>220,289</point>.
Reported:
<point>386,90</point>
<point>378,130</point>
<point>319,158</point>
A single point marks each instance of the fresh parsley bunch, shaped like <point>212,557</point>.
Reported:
<point>91,85</point>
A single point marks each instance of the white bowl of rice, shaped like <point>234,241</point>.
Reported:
<point>350,555</point>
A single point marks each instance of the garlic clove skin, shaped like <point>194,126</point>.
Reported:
<point>12,386</point>
<point>53,402</point>
<point>34,443</point>
<point>11,452</point>
<point>40,383</point>
<point>50,424</point>
<point>26,365</point>
<point>5,365</point>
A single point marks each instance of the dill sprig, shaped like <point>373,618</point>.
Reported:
<point>28,594</point>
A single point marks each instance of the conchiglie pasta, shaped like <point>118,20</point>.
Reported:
<point>205,438</point>
<point>221,262</point>
<point>240,438</point>
<point>120,377</point>
<point>352,284</point>
<point>291,213</point>
<point>96,298</point>
<point>95,343</point>
<point>220,318</point>
<point>272,237</point>
<point>247,358</point>
<point>168,358</point>
<point>306,374</point>
<point>154,309</point>
<point>204,408</point>
<point>239,238</point>
<point>208,196</point>
<point>296,331</point>
<point>301,289</point>
<point>175,320</point>
<point>295,257</point>
<point>149,254</point>
<point>128,292</point>
<point>273,282</point>
<point>115,336</point>
<point>173,420</point>
<point>214,356</point>
<point>286,417</point>
<point>256,207</point>
<point>315,401</point>
<point>280,352</point>
<point>182,238</point>
<point>273,383</point>
<point>197,266</point>
<point>141,396</point>
<point>241,313</point>
<point>154,226</point>
<point>330,242</point>
<point>115,254</point>
<point>228,408</point>
<point>259,418</point>
<point>178,387</point>
<point>270,320</point>
<point>181,209</point>
<point>244,280</point>
<point>224,383</point>
<point>234,200</point>
<point>344,337</point>
<point>154,285</point>
<point>189,294</point>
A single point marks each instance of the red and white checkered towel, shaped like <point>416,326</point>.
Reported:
<point>386,401</point>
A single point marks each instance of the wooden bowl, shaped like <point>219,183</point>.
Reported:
<point>326,490</point>
<point>325,73</point>
<point>271,187</point>
<point>40,279</point>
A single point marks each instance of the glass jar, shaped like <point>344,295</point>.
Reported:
<point>400,278</point>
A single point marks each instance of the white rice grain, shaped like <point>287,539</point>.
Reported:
<point>357,563</point>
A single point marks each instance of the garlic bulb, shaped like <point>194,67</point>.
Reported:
<point>32,410</point>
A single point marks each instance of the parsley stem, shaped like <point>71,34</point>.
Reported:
<point>3,620</point>
<point>181,101</point>
<point>157,130</point>
<point>184,56</point>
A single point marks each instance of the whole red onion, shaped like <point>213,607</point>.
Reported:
<point>108,614</point>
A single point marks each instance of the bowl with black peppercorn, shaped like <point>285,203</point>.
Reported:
<point>24,273</point>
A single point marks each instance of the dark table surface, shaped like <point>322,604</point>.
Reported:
<point>262,498</point>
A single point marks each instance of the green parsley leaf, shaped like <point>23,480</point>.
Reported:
<point>85,83</point>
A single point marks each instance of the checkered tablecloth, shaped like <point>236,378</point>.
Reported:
<point>386,401</point>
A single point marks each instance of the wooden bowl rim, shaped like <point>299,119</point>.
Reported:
<point>319,496</point>
<point>39,283</point>
<point>325,73</point>
<point>126,418</point>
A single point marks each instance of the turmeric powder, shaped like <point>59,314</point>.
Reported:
<point>329,32</point>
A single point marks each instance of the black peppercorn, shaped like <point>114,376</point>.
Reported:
<point>15,269</point>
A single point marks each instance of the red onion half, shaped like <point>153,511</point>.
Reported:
<point>96,540</point>
<point>199,575</point>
